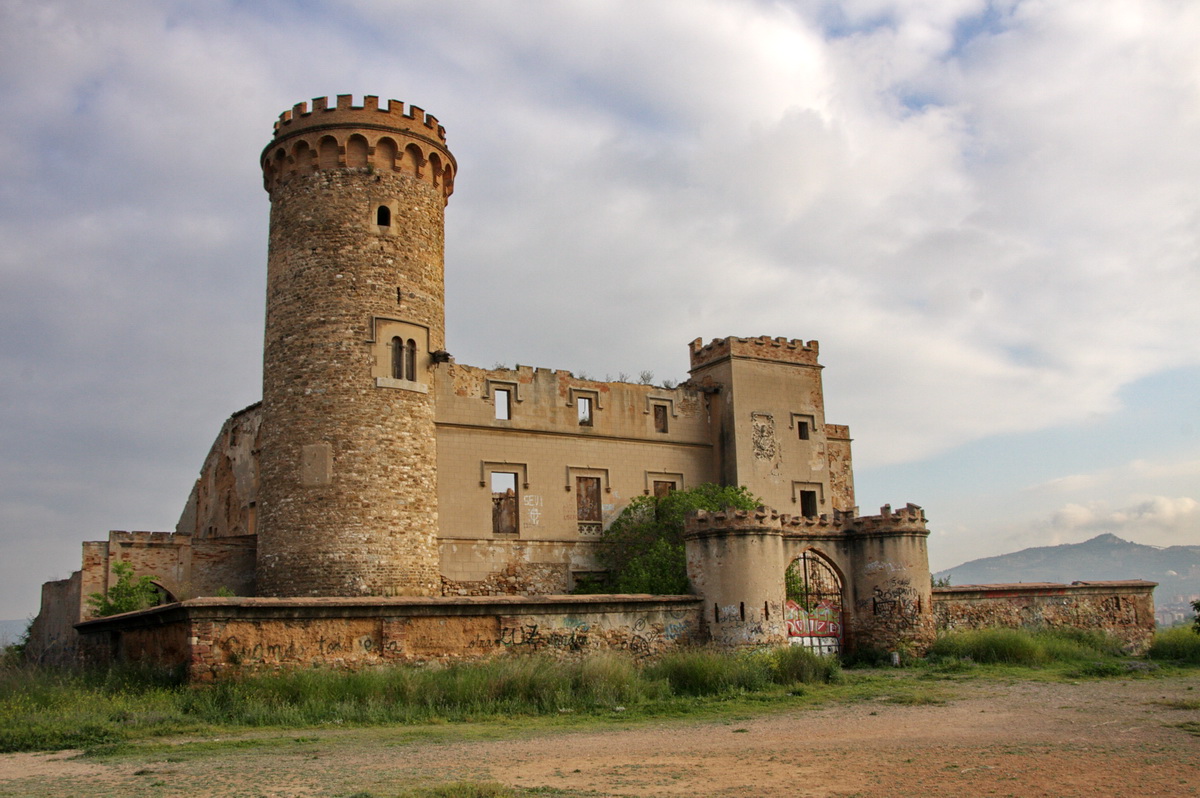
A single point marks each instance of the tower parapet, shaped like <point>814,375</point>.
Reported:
<point>763,347</point>
<point>393,139</point>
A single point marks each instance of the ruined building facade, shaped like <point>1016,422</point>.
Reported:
<point>379,470</point>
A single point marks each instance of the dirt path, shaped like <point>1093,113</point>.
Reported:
<point>1100,738</point>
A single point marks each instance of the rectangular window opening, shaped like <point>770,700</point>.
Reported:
<point>583,406</point>
<point>660,418</point>
<point>504,503</point>
<point>808,503</point>
<point>802,430</point>
<point>503,404</point>
<point>662,488</point>
<point>587,505</point>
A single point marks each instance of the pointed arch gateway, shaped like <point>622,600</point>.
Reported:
<point>812,608</point>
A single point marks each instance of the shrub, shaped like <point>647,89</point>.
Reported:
<point>643,548</point>
<point>126,594</point>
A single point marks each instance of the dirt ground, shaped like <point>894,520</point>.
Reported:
<point>1095,738</point>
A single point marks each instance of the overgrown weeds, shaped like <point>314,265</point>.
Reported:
<point>1180,644</point>
<point>1022,647</point>
<point>46,710</point>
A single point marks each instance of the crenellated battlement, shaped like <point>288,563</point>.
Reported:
<point>345,112</point>
<point>118,536</point>
<point>909,519</point>
<point>398,139</point>
<point>763,347</point>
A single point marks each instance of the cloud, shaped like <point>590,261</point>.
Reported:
<point>1157,520</point>
<point>985,211</point>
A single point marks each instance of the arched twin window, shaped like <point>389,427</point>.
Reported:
<point>404,359</point>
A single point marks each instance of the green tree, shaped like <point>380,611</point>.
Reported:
<point>1196,622</point>
<point>126,594</point>
<point>643,548</point>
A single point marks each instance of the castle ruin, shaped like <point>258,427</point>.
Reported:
<point>386,503</point>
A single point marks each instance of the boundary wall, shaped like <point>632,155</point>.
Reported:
<point>217,637</point>
<point>1123,609</point>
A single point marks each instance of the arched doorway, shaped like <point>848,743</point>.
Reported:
<point>812,608</point>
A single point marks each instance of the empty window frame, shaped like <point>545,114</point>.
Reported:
<point>383,216</point>
<point>583,409</point>
<point>404,359</point>
<point>802,430</point>
<point>660,418</point>
<point>587,505</point>
<point>503,400</point>
<point>663,487</point>
<point>808,503</point>
<point>505,514</point>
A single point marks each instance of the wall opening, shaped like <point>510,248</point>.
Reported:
<point>660,418</point>
<point>504,503</point>
<point>802,430</point>
<point>662,488</point>
<point>808,503</point>
<point>583,408</point>
<point>503,400</point>
<point>812,609</point>
<point>383,216</point>
<point>587,505</point>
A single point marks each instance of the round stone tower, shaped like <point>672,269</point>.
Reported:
<point>355,324</point>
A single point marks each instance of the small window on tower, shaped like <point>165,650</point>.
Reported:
<point>583,406</point>
<point>808,503</point>
<point>503,407</point>
<point>410,361</point>
<point>660,418</point>
<point>802,430</point>
<point>383,216</point>
<point>397,358</point>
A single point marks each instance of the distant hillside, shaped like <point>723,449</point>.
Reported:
<point>1175,568</point>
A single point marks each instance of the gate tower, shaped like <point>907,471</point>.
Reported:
<point>354,327</point>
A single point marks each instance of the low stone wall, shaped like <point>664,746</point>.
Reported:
<point>223,636</point>
<point>1124,610</point>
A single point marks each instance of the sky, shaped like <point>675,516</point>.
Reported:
<point>986,212</point>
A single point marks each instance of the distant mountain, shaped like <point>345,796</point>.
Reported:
<point>10,631</point>
<point>1175,568</point>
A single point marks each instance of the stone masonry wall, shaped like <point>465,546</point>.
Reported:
<point>224,637</point>
<point>1124,610</point>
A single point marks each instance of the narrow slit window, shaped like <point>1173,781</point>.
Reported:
<point>397,358</point>
<point>410,361</point>
<point>503,403</point>
<point>660,418</point>
<point>383,216</point>
<point>583,407</point>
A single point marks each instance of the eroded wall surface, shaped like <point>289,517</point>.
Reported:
<point>216,637</point>
<point>1123,609</point>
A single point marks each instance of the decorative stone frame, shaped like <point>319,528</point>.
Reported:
<point>383,330</point>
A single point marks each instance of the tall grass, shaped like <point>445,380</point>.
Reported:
<point>1023,647</point>
<point>44,710</point>
<point>1178,644</point>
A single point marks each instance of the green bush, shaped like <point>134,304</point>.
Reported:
<point>1178,644</point>
<point>643,551</point>
<point>126,594</point>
